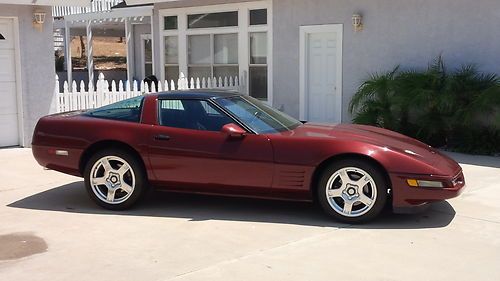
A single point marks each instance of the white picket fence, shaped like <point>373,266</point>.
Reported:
<point>106,92</point>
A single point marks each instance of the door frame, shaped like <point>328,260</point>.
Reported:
<point>145,37</point>
<point>19,92</point>
<point>303,83</point>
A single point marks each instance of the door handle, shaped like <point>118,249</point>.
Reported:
<point>162,137</point>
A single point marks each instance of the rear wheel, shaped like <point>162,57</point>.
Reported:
<point>114,179</point>
<point>352,191</point>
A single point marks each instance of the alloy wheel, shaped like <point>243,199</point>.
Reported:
<point>112,180</point>
<point>351,192</point>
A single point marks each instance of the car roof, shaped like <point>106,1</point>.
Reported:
<point>198,94</point>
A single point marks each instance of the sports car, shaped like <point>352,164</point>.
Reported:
<point>225,143</point>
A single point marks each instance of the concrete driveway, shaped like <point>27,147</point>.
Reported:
<point>174,237</point>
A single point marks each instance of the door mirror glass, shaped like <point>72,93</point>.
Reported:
<point>233,131</point>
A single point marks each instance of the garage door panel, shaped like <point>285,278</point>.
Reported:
<point>7,66</point>
<point>9,132</point>
<point>8,104</point>
<point>8,33</point>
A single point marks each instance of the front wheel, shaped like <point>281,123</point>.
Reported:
<point>352,191</point>
<point>114,179</point>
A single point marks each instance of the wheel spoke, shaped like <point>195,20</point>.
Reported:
<point>365,200</point>
<point>123,169</point>
<point>126,187</point>
<point>334,192</point>
<point>106,165</point>
<point>347,207</point>
<point>111,195</point>
<point>344,177</point>
<point>99,181</point>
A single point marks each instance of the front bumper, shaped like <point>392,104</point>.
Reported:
<point>407,199</point>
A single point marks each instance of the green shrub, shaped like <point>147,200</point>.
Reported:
<point>435,106</point>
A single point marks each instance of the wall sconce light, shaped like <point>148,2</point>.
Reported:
<point>357,22</point>
<point>38,20</point>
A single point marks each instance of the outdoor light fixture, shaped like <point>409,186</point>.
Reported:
<point>38,20</point>
<point>357,22</point>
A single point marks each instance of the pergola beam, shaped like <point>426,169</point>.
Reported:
<point>129,35</point>
<point>67,52</point>
<point>90,52</point>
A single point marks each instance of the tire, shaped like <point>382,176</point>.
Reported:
<point>115,179</point>
<point>352,191</point>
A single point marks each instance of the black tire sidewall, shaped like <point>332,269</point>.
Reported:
<point>139,173</point>
<point>375,173</point>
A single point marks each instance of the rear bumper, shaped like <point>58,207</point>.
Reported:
<point>46,156</point>
<point>407,199</point>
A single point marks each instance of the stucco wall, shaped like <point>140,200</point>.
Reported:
<point>409,33</point>
<point>405,32</point>
<point>37,65</point>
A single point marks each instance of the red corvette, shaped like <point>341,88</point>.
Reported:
<point>218,142</point>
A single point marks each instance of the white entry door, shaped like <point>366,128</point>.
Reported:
<point>9,129</point>
<point>321,73</point>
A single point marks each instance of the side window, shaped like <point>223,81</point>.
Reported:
<point>127,110</point>
<point>192,114</point>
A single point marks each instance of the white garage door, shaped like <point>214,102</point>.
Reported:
<point>9,129</point>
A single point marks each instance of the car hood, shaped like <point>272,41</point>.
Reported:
<point>385,139</point>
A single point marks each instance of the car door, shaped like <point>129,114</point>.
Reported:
<point>188,150</point>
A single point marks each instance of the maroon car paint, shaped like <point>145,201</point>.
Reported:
<point>279,165</point>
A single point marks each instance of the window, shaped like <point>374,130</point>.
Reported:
<point>192,114</point>
<point>213,55</point>
<point>258,115</point>
<point>213,20</point>
<point>170,23</point>
<point>127,110</point>
<point>258,75</point>
<point>220,41</point>
<point>171,58</point>
<point>148,58</point>
<point>258,17</point>
<point>1,37</point>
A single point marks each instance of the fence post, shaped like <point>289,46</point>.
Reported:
<point>57,95</point>
<point>100,90</point>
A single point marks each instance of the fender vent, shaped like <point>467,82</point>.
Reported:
<point>291,178</point>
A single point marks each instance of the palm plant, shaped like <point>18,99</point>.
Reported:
<point>373,102</point>
<point>434,105</point>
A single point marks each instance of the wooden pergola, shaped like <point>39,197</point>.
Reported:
<point>125,18</point>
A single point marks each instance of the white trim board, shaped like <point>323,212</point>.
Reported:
<point>303,98</point>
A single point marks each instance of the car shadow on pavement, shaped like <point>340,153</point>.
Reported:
<point>72,198</point>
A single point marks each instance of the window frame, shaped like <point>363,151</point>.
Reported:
<point>209,101</point>
<point>243,30</point>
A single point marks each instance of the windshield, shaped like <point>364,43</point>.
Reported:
<point>257,115</point>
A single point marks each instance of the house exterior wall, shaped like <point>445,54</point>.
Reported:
<point>36,50</point>
<point>409,33</point>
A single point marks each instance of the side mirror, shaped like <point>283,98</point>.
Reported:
<point>233,131</point>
